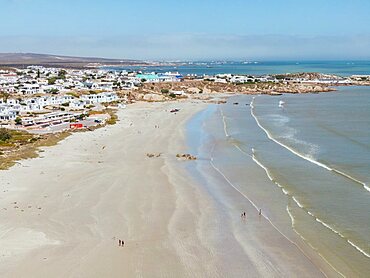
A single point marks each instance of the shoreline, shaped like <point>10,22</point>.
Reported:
<point>243,151</point>
<point>206,169</point>
<point>103,188</point>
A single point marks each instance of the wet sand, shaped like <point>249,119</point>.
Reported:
<point>63,214</point>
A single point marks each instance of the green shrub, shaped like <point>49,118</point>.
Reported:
<point>4,135</point>
<point>51,80</point>
<point>18,121</point>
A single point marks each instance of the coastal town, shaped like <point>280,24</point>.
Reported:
<point>43,100</point>
<point>159,139</point>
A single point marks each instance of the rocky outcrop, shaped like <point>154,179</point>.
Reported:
<point>186,157</point>
<point>151,155</point>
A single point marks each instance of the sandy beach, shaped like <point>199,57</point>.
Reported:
<point>62,214</point>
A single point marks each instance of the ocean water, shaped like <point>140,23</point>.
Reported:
<point>341,68</point>
<point>306,164</point>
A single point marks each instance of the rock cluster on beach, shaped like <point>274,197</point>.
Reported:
<point>186,156</point>
<point>151,155</point>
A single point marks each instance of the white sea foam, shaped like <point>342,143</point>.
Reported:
<point>263,167</point>
<point>310,149</point>
<point>242,151</point>
<point>285,146</point>
<point>358,248</point>
<point>284,191</point>
<point>328,226</point>
<point>332,229</point>
<point>342,236</point>
<point>351,178</point>
<point>291,216</point>
<point>280,120</point>
<point>224,122</point>
<point>296,201</point>
<point>257,208</point>
<point>310,157</point>
<point>309,244</point>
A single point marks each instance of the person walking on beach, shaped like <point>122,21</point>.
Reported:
<point>123,243</point>
<point>260,212</point>
<point>119,242</point>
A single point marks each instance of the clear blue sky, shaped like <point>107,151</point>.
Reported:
<point>192,29</point>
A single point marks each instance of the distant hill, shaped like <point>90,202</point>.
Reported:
<point>26,59</point>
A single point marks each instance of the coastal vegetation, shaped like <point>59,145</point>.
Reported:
<point>16,145</point>
<point>4,135</point>
<point>194,89</point>
<point>22,145</point>
<point>73,94</point>
<point>113,117</point>
<point>18,121</point>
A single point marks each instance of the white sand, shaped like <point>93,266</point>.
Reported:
<point>94,188</point>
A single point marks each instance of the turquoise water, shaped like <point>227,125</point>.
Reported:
<point>341,68</point>
<point>306,164</point>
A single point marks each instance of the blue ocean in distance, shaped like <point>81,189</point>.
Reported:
<point>341,68</point>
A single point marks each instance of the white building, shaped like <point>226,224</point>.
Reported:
<point>99,98</point>
<point>30,89</point>
<point>7,113</point>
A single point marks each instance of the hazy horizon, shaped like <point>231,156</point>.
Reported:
<point>206,30</point>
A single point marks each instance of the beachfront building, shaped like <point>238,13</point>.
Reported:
<point>77,104</point>
<point>91,85</point>
<point>177,93</point>
<point>8,88</point>
<point>220,80</point>
<point>7,114</point>
<point>103,97</point>
<point>160,77</point>
<point>48,119</point>
<point>148,77</point>
<point>7,77</point>
<point>30,89</point>
<point>38,103</point>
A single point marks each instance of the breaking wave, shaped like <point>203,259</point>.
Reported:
<point>305,156</point>
<point>252,155</point>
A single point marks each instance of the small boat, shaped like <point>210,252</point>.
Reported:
<point>281,103</point>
